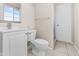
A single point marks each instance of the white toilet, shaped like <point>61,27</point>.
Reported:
<point>39,46</point>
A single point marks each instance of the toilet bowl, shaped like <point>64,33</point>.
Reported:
<point>39,46</point>
<point>41,43</point>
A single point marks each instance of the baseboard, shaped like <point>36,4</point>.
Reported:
<point>75,46</point>
<point>70,42</point>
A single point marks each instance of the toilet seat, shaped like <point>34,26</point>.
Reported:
<point>41,41</point>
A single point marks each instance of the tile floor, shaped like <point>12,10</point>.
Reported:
<point>61,49</point>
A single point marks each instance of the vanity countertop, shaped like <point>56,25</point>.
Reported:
<point>14,30</point>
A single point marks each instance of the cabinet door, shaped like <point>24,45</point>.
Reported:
<point>17,44</point>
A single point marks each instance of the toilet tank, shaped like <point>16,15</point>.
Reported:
<point>31,35</point>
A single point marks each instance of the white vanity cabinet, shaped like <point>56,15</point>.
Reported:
<point>14,43</point>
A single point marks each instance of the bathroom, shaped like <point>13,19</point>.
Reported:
<point>39,19</point>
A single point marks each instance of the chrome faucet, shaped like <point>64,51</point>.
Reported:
<point>9,25</point>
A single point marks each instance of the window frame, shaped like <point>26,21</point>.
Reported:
<point>3,21</point>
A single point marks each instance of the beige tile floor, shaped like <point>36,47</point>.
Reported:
<point>61,49</point>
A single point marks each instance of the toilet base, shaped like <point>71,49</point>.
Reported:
<point>39,52</point>
<point>39,47</point>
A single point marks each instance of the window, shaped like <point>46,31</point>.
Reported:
<point>11,13</point>
<point>8,13</point>
<point>16,15</point>
<point>1,11</point>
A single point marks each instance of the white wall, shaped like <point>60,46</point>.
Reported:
<point>44,13</point>
<point>76,24</point>
<point>27,17</point>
